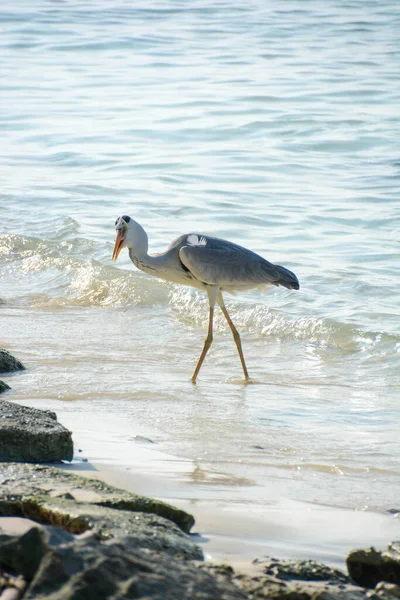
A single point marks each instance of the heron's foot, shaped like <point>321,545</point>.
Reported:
<point>240,381</point>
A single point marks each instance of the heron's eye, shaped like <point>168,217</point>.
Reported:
<point>126,218</point>
<point>116,221</point>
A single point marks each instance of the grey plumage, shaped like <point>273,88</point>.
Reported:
<point>223,263</point>
<point>207,263</point>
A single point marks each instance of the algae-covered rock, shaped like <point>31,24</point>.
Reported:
<point>79,505</point>
<point>32,435</point>
<point>369,567</point>
<point>144,529</point>
<point>8,363</point>
<point>20,482</point>
<point>3,387</point>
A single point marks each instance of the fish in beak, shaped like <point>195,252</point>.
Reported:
<point>119,240</point>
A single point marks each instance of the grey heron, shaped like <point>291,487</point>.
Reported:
<point>206,263</point>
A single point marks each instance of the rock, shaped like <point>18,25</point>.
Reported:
<point>145,530</point>
<point>86,568</point>
<point>369,567</point>
<point>21,482</point>
<point>387,591</point>
<point>8,363</point>
<point>32,435</point>
<point>4,387</point>
<point>291,580</point>
<point>24,553</point>
<point>11,587</point>
<point>303,570</point>
<point>79,505</point>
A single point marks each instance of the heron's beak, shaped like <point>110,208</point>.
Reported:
<point>119,240</point>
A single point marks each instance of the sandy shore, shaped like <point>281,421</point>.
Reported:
<point>237,532</point>
<point>233,524</point>
<point>149,534</point>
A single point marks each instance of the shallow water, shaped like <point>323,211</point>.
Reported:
<point>273,125</point>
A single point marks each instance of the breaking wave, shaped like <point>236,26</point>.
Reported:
<point>46,274</point>
<point>66,271</point>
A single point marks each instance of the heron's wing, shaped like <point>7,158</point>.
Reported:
<point>217,262</point>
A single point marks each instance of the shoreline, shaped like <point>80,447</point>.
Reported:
<point>84,538</point>
<point>232,525</point>
<point>236,533</point>
<point>151,517</point>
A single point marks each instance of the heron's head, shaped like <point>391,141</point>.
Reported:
<point>129,235</point>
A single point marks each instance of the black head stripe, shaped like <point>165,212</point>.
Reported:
<point>126,218</point>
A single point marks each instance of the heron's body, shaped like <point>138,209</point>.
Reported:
<point>206,263</point>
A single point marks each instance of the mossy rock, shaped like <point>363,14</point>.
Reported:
<point>22,482</point>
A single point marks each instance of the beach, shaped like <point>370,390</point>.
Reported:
<point>135,513</point>
<point>231,527</point>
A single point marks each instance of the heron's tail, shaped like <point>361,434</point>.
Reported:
<point>287,278</point>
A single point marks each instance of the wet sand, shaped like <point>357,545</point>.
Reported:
<point>237,532</point>
<point>236,520</point>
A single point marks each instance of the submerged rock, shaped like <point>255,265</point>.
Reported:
<point>32,435</point>
<point>369,567</point>
<point>3,387</point>
<point>8,363</point>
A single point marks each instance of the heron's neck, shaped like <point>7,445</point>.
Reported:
<point>138,249</point>
<point>138,242</point>
<point>140,257</point>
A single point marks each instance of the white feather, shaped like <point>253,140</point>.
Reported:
<point>194,240</point>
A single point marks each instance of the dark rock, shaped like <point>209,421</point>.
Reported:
<point>369,567</point>
<point>24,553</point>
<point>84,568</point>
<point>8,363</point>
<point>21,482</point>
<point>303,570</point>
<point>32,435</point>
<point>4,387</point>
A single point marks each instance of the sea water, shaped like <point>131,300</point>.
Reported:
<point>272,124</point>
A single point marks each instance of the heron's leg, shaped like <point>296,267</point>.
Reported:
<point>235,333</point>
<point>212,296</point>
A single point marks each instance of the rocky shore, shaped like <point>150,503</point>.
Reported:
<point>84,539</point>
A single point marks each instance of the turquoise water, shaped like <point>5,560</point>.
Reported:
<point>273,125</point>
